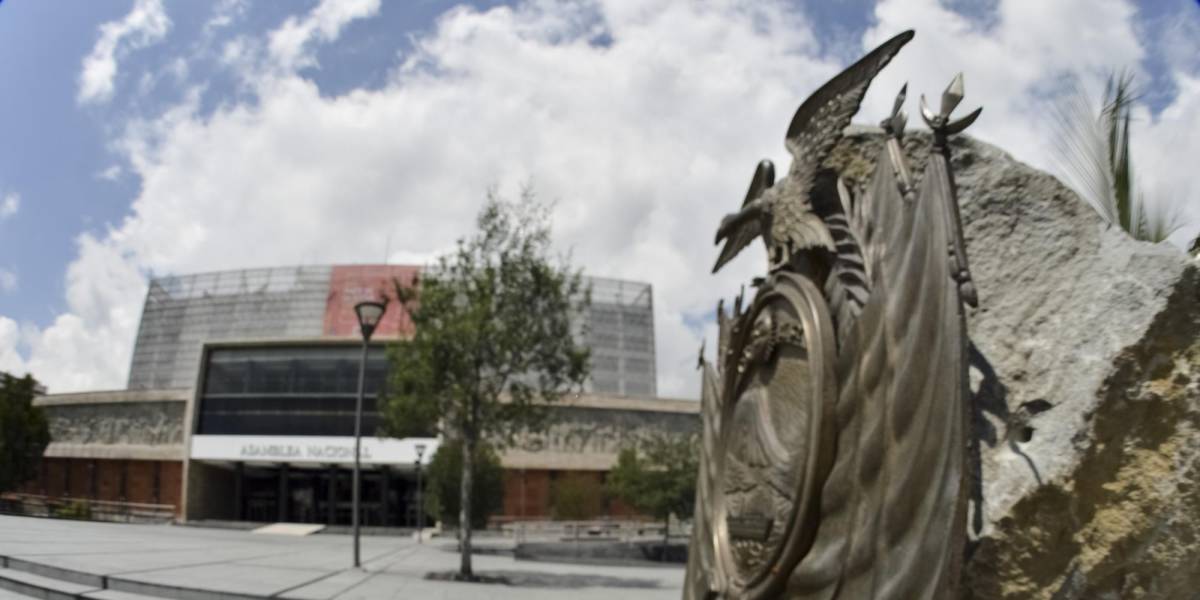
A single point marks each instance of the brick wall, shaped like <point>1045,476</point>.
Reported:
<point>538,494</point>
<point>53,481</point>
<point>72,477</point>
<point>140,485</point>
<point>109,479</point>
<point>172,485</point>
<point>81,478</point>
<point>536,491</point>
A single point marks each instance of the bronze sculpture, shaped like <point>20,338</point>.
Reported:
<point>834,422</point>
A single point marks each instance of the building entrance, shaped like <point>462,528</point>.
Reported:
<point>285,493</point>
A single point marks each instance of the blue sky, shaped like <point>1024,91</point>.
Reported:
<point>57,148</point>
<point>144,137</point>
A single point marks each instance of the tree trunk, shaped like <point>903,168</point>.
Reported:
<point>666,537</point>
<point>464,511</point>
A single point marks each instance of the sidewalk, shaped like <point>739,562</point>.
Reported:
<point>207,564</point>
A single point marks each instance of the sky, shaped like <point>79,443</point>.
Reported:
<point>142,138</point>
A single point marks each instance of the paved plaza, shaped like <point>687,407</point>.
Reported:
<point>112,561</point>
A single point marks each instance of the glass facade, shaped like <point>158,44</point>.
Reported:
<point>289,390</point>
<point>182,313</point>
<point>620,332</point>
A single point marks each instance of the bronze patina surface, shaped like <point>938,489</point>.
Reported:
<point>834,422</point>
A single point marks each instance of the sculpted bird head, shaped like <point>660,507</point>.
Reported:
<point>737,230</point>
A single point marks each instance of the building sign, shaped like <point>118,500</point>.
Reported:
<point>310,449</point>
<point>313,451</point>
<point>351,284</point>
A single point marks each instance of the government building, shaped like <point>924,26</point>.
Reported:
<point>241,394</point>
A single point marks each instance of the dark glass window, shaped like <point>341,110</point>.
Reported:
<point>289,390</point>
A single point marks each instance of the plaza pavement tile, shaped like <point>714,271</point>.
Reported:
<point>315,567</point>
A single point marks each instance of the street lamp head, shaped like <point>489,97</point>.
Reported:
<point>420,451</point>
<point>369,314</point>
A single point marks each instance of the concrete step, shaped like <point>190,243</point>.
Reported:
<point>145,589</point>
<point>48,582</point>
<point>118,595</point>
<point>10,595</point>
<point>53,572</point>
<point>40,586</point>
<point>25,579</point>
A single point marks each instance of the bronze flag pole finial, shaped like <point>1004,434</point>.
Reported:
<point>943,128</point>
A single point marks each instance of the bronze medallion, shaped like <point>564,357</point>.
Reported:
<point>776,443</point>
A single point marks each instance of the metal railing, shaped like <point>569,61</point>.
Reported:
<point>541,528</point>
<point>85,509</point>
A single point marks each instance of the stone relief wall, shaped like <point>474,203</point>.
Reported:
<point>143,423</point>
<point>570,430</point>
<point>575,430</point>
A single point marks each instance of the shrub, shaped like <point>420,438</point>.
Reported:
<point>444,478</point>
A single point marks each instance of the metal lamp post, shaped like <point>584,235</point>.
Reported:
<point>369,314</point>
<point>420,509</point>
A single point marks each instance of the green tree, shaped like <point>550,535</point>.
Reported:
<point>659,479</point>
<point>577,496</point>
<point>494,341</point>
<point>445,479</point>
<point>1093,144</point>
<point>23,431</point>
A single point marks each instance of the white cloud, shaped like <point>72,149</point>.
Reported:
<point>1013,65</point>
<point>90,345</point>
<point>645,137</point>
<point>178,69</point>
<point>8,281</point>
<point>634,140</point>
<point>10,337</point>
<point>111,173</point>
<point>225,13</point>
<point>146,24</point>
<point>10,205</point>
<point>291,44</point>
<point>1018,63</point>
<point>1166,146</point>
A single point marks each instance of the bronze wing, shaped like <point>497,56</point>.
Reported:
<point>815,129</point>
<point>818,123</point>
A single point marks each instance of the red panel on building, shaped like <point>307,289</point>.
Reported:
<point>351,284</point>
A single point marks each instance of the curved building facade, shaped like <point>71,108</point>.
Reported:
<point>241,395</point>
<point>316,303</point>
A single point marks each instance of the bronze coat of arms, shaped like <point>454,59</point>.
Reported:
<point>834,421</point>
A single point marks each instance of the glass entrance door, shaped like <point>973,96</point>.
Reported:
<point>323,495</point>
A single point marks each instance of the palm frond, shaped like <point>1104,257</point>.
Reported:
<point>1156,222</point>
<point>1093,144</point>
<point>1082,152</point>
<point>1118,99</point>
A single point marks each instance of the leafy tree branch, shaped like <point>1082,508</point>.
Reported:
<point>496,339</point>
